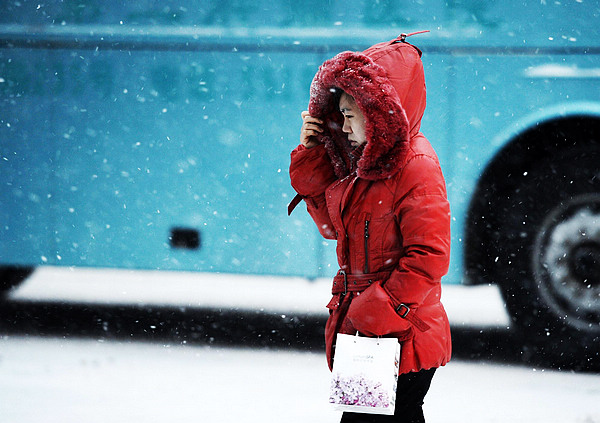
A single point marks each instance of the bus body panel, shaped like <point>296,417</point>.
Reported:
<point>133,144</point>
<point>125,122</point>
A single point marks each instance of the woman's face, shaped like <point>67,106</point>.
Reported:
<point>354,121</point>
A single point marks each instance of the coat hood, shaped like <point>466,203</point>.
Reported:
<point>388,85</point>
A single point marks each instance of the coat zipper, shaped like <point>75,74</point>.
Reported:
<point>367,244</point>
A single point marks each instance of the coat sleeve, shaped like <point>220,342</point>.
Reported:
<point>423,213</point>
<point>311,172</point>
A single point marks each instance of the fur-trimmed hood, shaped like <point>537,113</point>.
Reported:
<point>388,85</point>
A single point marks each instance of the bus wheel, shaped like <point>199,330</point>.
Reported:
<point>566,261</point>
<point>11,276</point>
<point>550,249</point>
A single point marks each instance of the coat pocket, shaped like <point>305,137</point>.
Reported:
<point>373,314</point>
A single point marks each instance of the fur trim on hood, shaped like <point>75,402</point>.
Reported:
<point>378,93</point>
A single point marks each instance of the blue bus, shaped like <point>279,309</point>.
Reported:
<point>156,135</point>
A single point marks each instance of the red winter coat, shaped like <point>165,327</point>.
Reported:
<point>385,203</point>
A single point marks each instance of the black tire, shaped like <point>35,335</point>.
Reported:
<point>548,264</point>
<point>11,276</point>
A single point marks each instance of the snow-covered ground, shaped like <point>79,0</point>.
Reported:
<point>65,380</point>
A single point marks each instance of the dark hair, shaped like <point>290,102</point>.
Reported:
<point>337,94</point>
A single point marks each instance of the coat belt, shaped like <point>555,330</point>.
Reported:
<point>344,283</point>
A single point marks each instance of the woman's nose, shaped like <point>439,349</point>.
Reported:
<point>346,128</point>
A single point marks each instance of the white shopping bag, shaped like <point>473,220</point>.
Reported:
<point>365,374</point>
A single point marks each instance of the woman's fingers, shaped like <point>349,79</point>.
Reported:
<point>310,129</point>
<point>306,117</point>
<point>308,138</point>
<point>310,133</point>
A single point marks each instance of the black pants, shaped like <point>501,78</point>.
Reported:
<point>412,388</point>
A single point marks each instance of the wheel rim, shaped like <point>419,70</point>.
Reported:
<point>566,260</point>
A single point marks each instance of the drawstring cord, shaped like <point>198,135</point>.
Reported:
<point>403,36</point>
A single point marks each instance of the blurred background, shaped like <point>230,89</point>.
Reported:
<point>148,267</point>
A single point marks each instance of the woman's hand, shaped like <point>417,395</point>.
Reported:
<point>310,128</point>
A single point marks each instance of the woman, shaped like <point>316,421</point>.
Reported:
<point>372,181</point>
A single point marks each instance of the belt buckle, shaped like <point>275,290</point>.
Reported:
<point>403,314</point>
